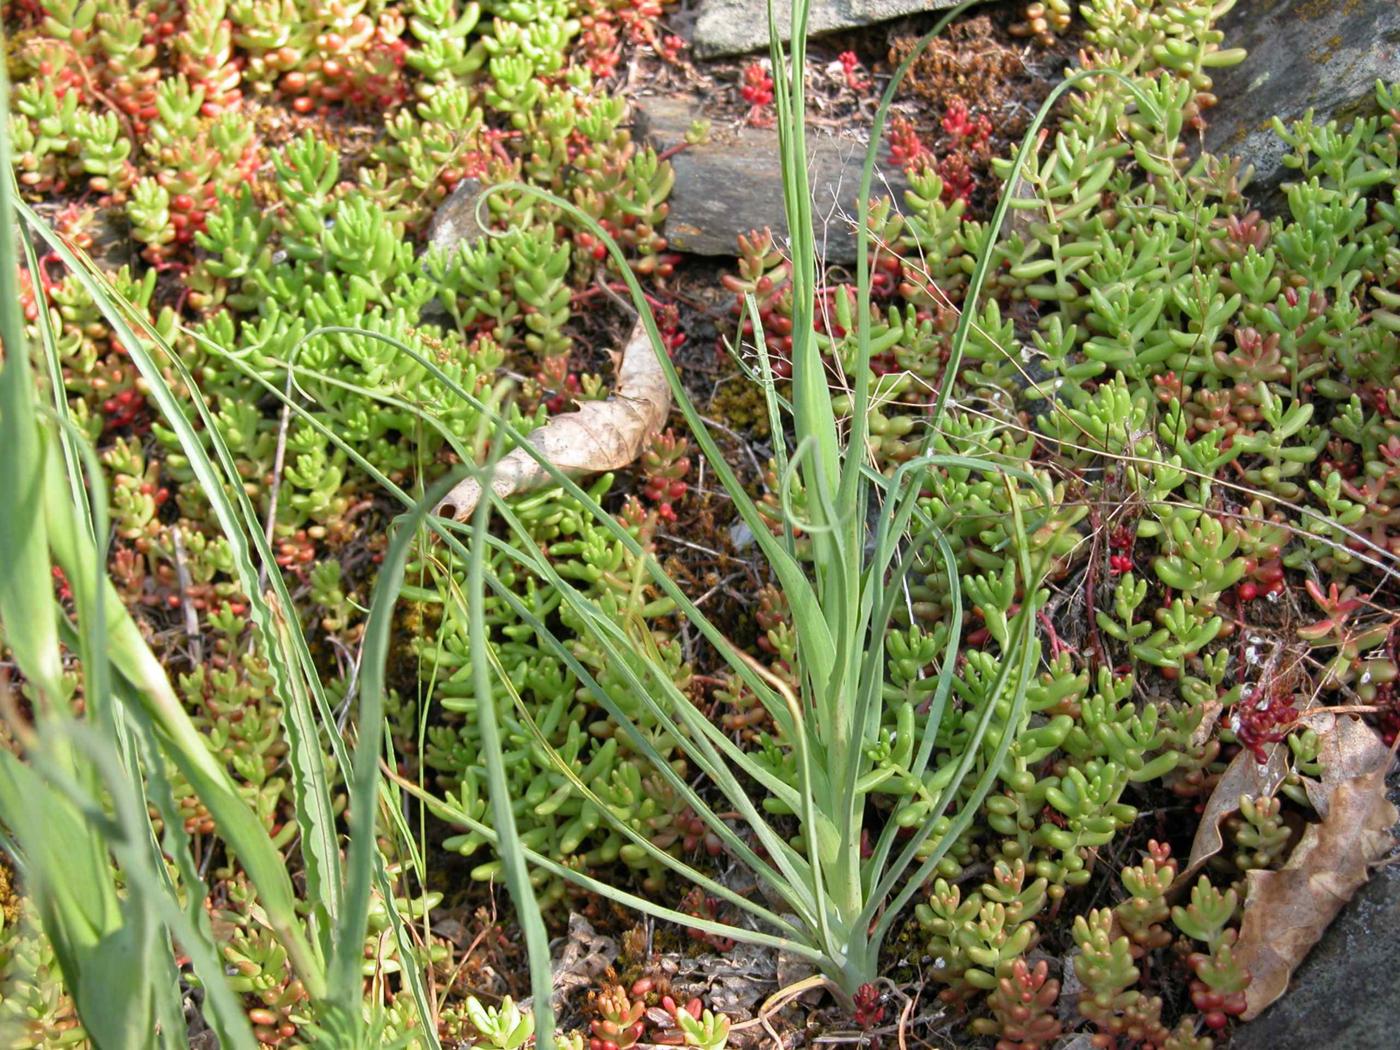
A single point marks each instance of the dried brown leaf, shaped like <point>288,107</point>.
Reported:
<point>1345,750</point>
<point>600,435</point>
<point>1210,715</point>
<point>1244,776</point>
<point>1286,911</point>
<point>1348,748</point>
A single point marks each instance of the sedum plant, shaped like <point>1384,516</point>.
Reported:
<point>1199,382</point>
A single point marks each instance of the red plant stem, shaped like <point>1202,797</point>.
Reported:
<point>93,90</point>
<point>1056,646</point>
<point>671,151</point>
<point>45,280</point>
<point>616,288</point>
<point>1090,582</point>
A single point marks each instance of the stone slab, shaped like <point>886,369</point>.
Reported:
<point>1321,54</point>
<point>736,27</point>
<point>454,222</point>
<point>733,183</point>
<point>1346,993</point>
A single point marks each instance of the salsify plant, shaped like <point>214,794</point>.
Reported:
<point>834,882</point>
<point>834,888</point>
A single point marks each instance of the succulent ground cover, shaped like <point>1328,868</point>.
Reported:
<point>1204,398</point>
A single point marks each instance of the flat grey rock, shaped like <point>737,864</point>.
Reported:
<point>454,223</point>
<point>734,27</point>
<point>1303,54</point>
<point>733,183</point>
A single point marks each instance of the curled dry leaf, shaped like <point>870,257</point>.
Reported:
<point>600,435</point>
<point>1210,715</point>
<point>1348,748</point>
<point>1286,911</point>
<point>1243,777</point>
<point>1343,749</point>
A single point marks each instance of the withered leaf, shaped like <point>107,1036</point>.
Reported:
<point>1244,776</point>
<point>600,435</point>
<point>1286,911</point>
<point>1348,748</point>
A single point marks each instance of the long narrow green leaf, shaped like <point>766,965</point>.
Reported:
<point>222,1010</point>
<point>26,587</point>
<point>348,958</point>
<point>562,652</point>
<point>237,823</point>
<point>861,391</point>
<point>638,839</point>
<point>262,860</point>
<point>793,885</point>
<point>48,337</point>
<point>687,608</point>
<point>699,731</point>
<point>508,845</point>
<point>669,587</point>
<point>411,975</point>
<point>102,944</point>
<point>241,528</point>
<point>456,815</point>
<point>967,315</point>
<point>784,887</point>
<point>1022,650</point>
